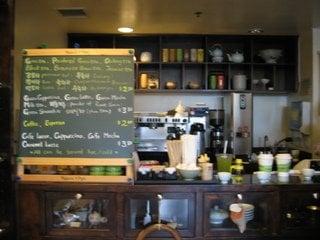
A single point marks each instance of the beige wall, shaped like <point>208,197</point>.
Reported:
<point>316,91</point>
<point>37,28</point>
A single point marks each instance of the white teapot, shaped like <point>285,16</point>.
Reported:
<point>216,51</point>
<point>236,57</point>
<point>95,218</point>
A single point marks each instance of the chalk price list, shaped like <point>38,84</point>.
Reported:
<point>77,106</point>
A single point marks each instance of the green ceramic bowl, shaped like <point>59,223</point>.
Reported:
<point>98,169</point>
<point>114,169</point>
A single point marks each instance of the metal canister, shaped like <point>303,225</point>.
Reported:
<point>212,81</point>
<point>179,55</point>
<point>220,82</point>
<point>186,55</point>
<point>200,55</point>
<point>172,55</point>
<point>193,54</point>
<point>165,55</point>
<point>143,81</point>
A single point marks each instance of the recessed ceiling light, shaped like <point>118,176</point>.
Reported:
<point>125,29</point>
<point>255,30</point>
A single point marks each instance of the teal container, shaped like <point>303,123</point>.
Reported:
<point>179,55</point>
<point>212,81</point>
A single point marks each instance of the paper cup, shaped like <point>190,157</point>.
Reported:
<point>283,162</point>
<point>265,162</point>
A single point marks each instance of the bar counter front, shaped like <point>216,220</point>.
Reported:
<point>194,209</point>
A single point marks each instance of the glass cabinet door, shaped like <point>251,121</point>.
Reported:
<point>175,209</point>
<point>257,219</point>
<point>85,214</point>
<point>300,212</point>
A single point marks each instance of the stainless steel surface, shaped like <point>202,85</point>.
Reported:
<point>216,117</point>
<point>152,130</point>
<point>205,121</point>
<point>241,122</point>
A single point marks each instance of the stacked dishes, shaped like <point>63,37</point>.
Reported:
<point>248,211</point>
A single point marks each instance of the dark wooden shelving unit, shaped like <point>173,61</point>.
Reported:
<point>283,75</point>
<point>279,209</point>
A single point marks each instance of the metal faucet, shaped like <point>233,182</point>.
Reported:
<point>276,145</point>
<point>265,140</point>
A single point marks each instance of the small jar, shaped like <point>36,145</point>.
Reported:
<point>186,55</point>
<point>207,171</point>
<point>179,55</point>
<point>165,55</point>
<point>220,82</point>
<point>143,81</point>
<point>212,81</point>
<point>172,55</point>
<point>193,55</point>
<point>200,55</point>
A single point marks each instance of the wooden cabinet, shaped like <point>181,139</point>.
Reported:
<point>63,211</point>
<point>300,211</point>
<point>176,209</point>
<point>80,214</point>
<point>262,76</point>
<point>260,221</point>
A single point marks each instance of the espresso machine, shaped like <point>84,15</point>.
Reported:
<point>153,129</point>
<point>216,121</point>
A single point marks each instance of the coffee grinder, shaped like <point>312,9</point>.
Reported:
<point>216,121</point>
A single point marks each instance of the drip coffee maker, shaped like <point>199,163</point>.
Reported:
<point>216,121</point>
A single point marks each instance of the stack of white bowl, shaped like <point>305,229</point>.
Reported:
<point>248,211</point>
<point>247,208</point>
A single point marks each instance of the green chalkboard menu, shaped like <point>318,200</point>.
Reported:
<point>77,103</point>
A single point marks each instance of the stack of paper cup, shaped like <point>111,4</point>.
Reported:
<point>189,149</point>
<point>265,161</point>
<point>283,162</point>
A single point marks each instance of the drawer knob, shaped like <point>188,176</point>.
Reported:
<point>78,196</point>
<point>239,196</point>
<point>315,195</point>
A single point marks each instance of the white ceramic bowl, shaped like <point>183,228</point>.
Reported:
<point>283,177</point>
<point>217,59</point>
<point>224,177</point>
<point>189,174</point>
<point>308,173</point>
<point>263,176</point>
<point>270,55</point>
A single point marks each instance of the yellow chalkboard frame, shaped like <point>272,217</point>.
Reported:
<point>22,162</point>
<point>77,52</point>
<point>31,161</point>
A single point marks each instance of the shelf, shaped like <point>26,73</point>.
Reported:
<point>283,75</point>
<point>273,64</point>
<point>190,91</point>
